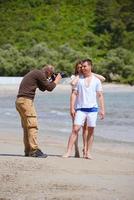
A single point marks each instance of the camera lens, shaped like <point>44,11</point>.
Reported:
<point>63,75</point>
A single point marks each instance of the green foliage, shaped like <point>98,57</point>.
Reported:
<point>115,17</point>
<point>90,39</point>
<point>117,66</point>
<point>38,32</point>
<point>52,21</point>
<point>16,62</point>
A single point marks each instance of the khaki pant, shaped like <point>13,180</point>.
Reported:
<point>27,112</point>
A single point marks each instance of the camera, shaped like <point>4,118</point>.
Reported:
<point>63,75</point>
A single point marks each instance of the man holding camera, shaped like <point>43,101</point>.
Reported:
<point>25,105</point>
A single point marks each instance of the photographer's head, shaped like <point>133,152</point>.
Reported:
<point>48,70</point>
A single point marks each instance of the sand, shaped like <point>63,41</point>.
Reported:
<point>109,176</point>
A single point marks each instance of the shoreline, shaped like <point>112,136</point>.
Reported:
<point>14,140</point>
<point>106,86</point>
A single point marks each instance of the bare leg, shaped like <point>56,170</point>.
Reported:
<point>72,140</point>
<point>89,143</point>
<point>77,154</point>
<point>85,135</point>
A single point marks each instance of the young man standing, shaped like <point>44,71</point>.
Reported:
<point>84,107</point>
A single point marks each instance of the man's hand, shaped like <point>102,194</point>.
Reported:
<point>72,113</point>
<point>102,114</point>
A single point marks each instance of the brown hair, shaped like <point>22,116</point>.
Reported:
<point>76,67</point>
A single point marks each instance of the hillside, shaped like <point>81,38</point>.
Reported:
<point>25,23</point>
<point>35,32</point>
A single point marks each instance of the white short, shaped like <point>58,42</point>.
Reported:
<point>81,116</point>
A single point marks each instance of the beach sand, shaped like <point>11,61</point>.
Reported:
<point>109,176</point>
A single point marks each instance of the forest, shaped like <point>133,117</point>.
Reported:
<point>38,32</point>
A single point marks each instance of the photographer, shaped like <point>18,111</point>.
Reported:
<point>25,105</point>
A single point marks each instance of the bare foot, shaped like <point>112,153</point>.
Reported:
<point>87,156</point>
<point>65,155</point>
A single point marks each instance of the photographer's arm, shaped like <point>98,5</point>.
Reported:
<point>44,84</point>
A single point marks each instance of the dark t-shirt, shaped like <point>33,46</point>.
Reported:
<point>33,80</point>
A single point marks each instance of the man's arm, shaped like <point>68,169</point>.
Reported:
<point>72,103</point>
<point>101,104</point>
<point>44,84</point>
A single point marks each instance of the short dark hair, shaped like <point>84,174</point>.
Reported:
<point>89,61</point>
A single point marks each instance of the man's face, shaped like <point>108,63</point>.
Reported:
<point>86,68</point>
<point>49,71</point>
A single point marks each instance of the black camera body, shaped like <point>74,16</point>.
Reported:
<point>63,75</point>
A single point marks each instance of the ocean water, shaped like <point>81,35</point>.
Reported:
<point>55,121</point>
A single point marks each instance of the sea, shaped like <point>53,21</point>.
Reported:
<point>54,117</point>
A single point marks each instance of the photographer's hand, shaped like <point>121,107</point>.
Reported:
<point>57,79</point>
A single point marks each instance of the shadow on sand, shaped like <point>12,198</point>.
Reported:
<point>19,155</point>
